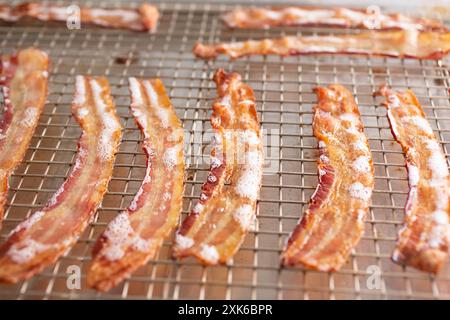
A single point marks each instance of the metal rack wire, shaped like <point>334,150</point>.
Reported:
<point>283,88</point>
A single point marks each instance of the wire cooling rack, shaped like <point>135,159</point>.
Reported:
<point>283,88</point>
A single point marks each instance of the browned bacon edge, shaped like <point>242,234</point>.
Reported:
<point>144,18</point>
<point>23,79</point>
<point>334,222</point>
<point>218,223</point>
<point>256,18</point>
<point>396,44</point>
<point>424,241</point>
<point>136,235</point>
<point>48,233</point>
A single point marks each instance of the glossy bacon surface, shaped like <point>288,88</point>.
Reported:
<point>256,18</point>
<point>424,241</point>
<point>398,44</point>
<point>136,235</point>
<point>334,222</point>
<point>42,238</point>
<point>23,80</point>
<point>145,18</point>
<point>217,225</point>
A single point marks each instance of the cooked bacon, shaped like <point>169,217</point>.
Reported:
<point>42,238</point>
<point>256,18</point>
<point>424,241</point>
<point>398,44</point>
<point>144,18</point>
<point>217,225</point>
<point>136,235</point>
<point>334,222</point>
<point>23,78</point>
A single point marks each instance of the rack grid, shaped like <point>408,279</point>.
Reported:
<point>283,89</point>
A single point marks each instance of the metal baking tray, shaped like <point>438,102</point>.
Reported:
<point>283,88</point>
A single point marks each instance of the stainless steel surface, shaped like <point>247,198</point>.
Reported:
<point>283,88</point>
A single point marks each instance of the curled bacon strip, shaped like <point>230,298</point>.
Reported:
<point>42,238</point>
<point>398,44</point>
<point>218,223</point>
<point>334,222</point>
<point>424,242</point>
<point>136,235</point>
<point>255,18</point>
<point>23,78</point>
<point>144,18</point>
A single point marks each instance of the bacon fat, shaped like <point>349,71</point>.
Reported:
<point>23,78</point>
<point>397,44</point>
<point>257,18</point>
<point>48,233</point>
<point>424,241</point>
<point>145,18</point>
<point>334,222</point>
<point>218,223</point>
<point>136,235</point>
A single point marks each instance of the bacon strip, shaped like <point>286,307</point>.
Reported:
<point>424,242</point>
<point>334,222</point>
<point>42,238</point>
<point>256,18</point>
<point>23,78</point>
<point>218,223</point>
<point>398,44</point>
<point>145,18</point>
<point>136,235</point>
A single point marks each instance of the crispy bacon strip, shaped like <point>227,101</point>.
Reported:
<point>145,18</point>
<point>424,242</point>
<point>218,223</point>
<point>23,78</point>
<point>136,235</point>
<point>42,238</point>
<point>334,222</point>
<point>398,44</point>
<point>256,18</point>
